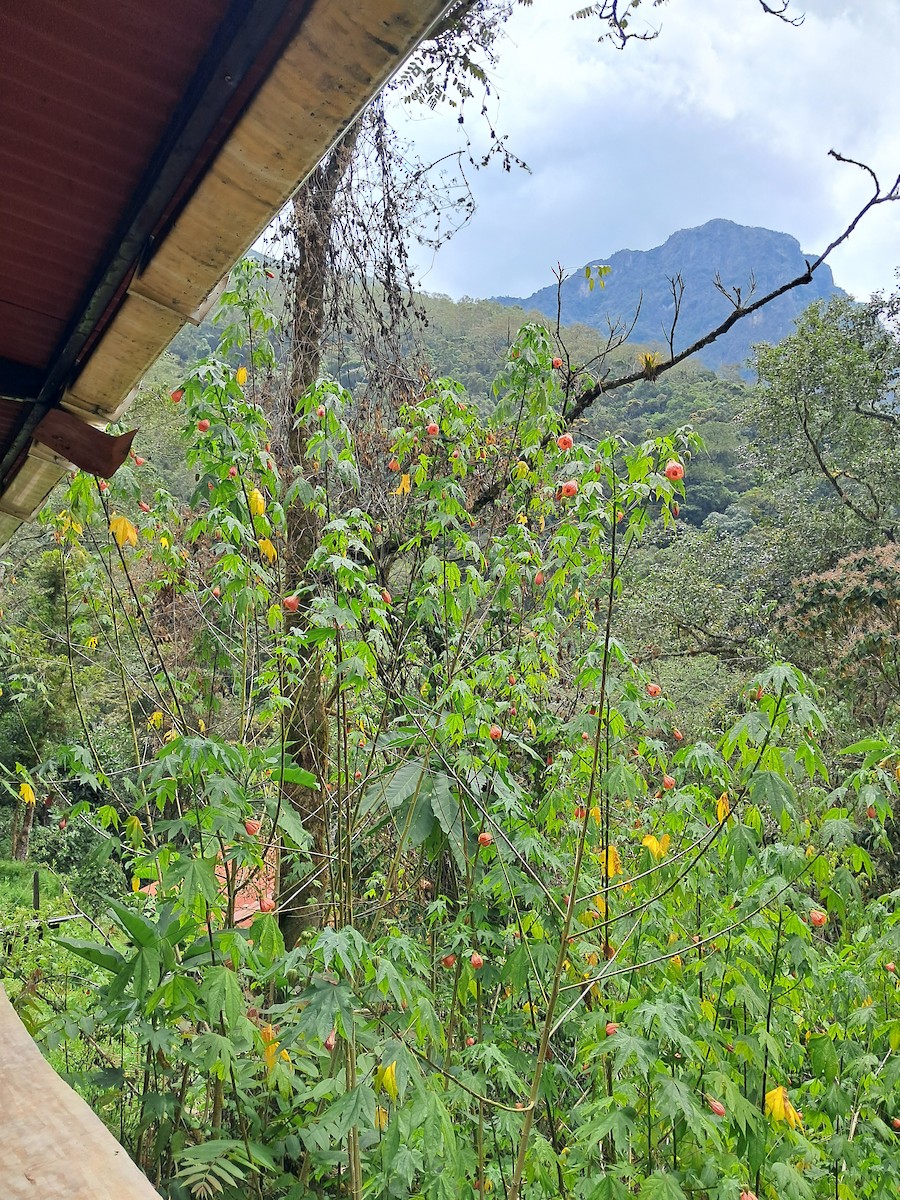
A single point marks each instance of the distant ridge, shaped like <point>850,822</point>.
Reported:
<point>737,253</point>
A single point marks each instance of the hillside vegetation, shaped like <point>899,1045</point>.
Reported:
<point>459,801</point>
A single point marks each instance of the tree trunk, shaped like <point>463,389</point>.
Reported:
<point>302,898</point>
<point>21,832</point>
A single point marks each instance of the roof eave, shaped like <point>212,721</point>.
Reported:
<point>303,107</point>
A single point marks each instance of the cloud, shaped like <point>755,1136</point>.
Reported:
<point>728,113</point>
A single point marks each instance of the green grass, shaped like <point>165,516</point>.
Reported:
<point>15,887</point>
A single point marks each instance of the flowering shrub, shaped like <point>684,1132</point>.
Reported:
<point>557,947</point>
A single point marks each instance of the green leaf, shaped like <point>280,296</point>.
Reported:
<point>267,938</point>
<point>320,1005</point>
<point>439,1136</point>
<point>142,931</point>
<point>222,994</point>
<point>395,788</point>
<point>661,1186</point>
<point>446,807</point>
<point>618,1121</point>
<point>772,791</point>
<point>498,1067</point>
<point>197,877</point>
<point>406,1164</point>
<point>101,956</point>
<point>674,1097</point>
<point>741,843</point>
<point>146,973</point>
<point>627,1047</point>
<point>607,1188</point>
<point>752,727</point>
<point>353,1108</point>
<point>621,780</point>
<point>290,823</point>
<point>823,1056</point>
<point>790,1183</point>
<point>298,776</point>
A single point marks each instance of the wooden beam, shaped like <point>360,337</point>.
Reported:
<point>88,448</point>
<point>54,1148</point>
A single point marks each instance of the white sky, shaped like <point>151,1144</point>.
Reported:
<point>729,113</point>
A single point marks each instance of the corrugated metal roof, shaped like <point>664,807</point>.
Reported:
<point>143,148</point>
<point>10,418</point>
<point>88,91</point>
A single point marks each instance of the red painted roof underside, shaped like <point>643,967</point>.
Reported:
<point>10,420</point>
<point>91,87</point>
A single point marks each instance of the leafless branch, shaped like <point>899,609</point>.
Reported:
<point>734,294</point>
<point>587,397</point>
<point>617,17</point>
<point>781,12</point>
<point>676,284</point>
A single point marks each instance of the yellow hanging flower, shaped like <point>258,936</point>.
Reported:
<point>597,815</point>
<point>779,1108</point>
<point>26,791</point>
<point>164,542</point>
<point>155,720</point>
<point>658,847</point>
<point>170,736</point>
<point>257,502</point>
<point>267,550</point>
<point>270,1047</point>
<point>613,863</point>
<point>201,725</point>
<point>381,1117</point>
<point>386,1080</point>
<point>522,469</point>
<point>403,488</point>
<point>91,642</point>
<point>723,808</point>
<point>123,531</point>
<point>240,376</point>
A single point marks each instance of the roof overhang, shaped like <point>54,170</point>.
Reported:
<point>144,149</point>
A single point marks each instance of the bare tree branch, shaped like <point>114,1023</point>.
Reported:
<point>676,284</point>
<point>781,12</point>
<point>617,17</point>
<point>586,398</point>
